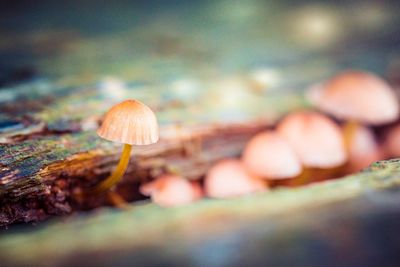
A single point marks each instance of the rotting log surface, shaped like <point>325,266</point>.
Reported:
<point>49,152</point>
<point>39,177</point>
<point>349,222</point>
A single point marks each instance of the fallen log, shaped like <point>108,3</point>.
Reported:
<point>44,176</point>
<point>352,221</point>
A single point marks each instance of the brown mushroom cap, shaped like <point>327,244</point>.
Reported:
<point>316,139</point>
<point>357,95</point>
<point>270,156</point>
<point>130,122</point>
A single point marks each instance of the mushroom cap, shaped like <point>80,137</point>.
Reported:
<point>316,139</point>
<point>130,122</point>
<point>270,156</point>
<point>357,95</point>
<point>363,149</point>
<point>228,178</point>
<point>171,190</point>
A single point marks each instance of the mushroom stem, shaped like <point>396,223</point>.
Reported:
<point>303,178</point>
<point>349,131</point>
<point>116,200</point>
<point>116,176</point>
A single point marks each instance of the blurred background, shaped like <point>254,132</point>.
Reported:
<point>150,41</point>
<point>194,50</point>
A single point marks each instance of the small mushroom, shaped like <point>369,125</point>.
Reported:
<point>268,155</point>
<point>229,178</point>
<point>363,150</point>
<point>172,190</point>
<point>316,139</point>
<point>358,97</point>
<point>131,123</point>
<point>392,142</point>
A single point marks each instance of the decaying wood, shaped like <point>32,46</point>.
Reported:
<point>358,213</point>
<point>44,176</point>
<point>49,152</point>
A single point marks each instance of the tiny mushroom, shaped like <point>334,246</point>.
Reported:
<point>229,178</point>
<point>270,156</point>
<point>364,149</point>
<point>172,190</point>
<point>316,139</point>
<point>392,142</point>
<point>131,123</point>
<point>358,97</point>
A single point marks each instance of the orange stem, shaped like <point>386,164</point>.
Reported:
<point>116,176</point>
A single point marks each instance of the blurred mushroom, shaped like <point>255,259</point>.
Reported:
<point>268,155</point>
<point>363,150</point>
<point>316,139</point>
<point>131,123</point>
<point>392,142</point>
<point>228,178</point>
<point>357,96</point>
<point>172,190</point>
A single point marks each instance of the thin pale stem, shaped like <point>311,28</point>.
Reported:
<point>116,176</point>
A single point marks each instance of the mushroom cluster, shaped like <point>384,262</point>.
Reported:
<point>359,100</point>
<point>334,138</point>
<point>308,146</point>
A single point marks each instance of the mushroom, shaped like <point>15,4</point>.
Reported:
<point>172,190</point>
<point>392,142</point>
<point>356,96</point>
<point>229,178</point>
<point>270,156</point>
<point>363,150</point>
<point>316,140</point>
<point>131,123</point>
